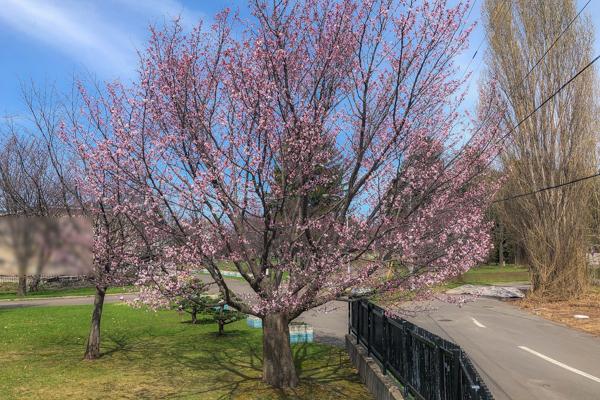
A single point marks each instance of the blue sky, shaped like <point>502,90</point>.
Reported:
<point>51,41</point>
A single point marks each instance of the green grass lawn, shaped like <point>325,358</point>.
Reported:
<point>8,292</point>
<point>491,274</point>
<point>151,355</point>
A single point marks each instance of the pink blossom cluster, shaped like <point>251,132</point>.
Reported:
<point>309,146</point>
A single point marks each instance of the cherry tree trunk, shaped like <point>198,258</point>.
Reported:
<point>278,364</point>
<point>92,350</point>
<point>22,285</point>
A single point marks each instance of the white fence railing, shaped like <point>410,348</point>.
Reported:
<point>43,278</point>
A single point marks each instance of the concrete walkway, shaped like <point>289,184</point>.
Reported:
<point>62,301</point>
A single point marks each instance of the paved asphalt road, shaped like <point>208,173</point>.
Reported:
<point>520,356</point>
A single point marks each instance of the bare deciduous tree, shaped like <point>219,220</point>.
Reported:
<point>27,189</point>
<point>38,178</point>
<point>556,144</point>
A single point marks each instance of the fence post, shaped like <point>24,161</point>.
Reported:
<point>386,343</point>
<point>369,329</point>
<point>406,356</point>
<point>456,386</point>
<point>475,395</point>
<point>349,316</point>
<point>358,322</point>
<point>438,368</point>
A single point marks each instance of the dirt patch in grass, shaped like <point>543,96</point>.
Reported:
<point>563,311</point>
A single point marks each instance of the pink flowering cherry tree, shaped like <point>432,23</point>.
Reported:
<point>116,242</point>
<point>310,146</point>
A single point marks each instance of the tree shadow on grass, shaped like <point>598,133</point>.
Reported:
<point>113,343</point>
<point>238,369</point>
<point>324,370</point>
<point>119,342</point>
<point>8,306</point>
<point>203,321</point>
<point>225,367</point>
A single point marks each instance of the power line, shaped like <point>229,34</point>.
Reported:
<point>564,85</point>
<point>537,62</point>
<point>556,92</point>
<point>588,65</point>
<point>556,40</point>
<point>472,7</point>
<point>486,33</point>
<point>486,36</point>
<point>529,115</point>
<point>597,174</point>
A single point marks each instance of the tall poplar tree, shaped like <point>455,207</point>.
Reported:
<point>534,48</point>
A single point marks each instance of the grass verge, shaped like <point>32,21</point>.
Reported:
<point>150,355</point>
<point>491,274</point>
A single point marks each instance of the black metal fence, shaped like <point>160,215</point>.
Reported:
<point>429,367</point>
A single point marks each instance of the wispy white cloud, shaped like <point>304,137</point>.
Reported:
<point>103,36</point>
<point>73,31</point>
